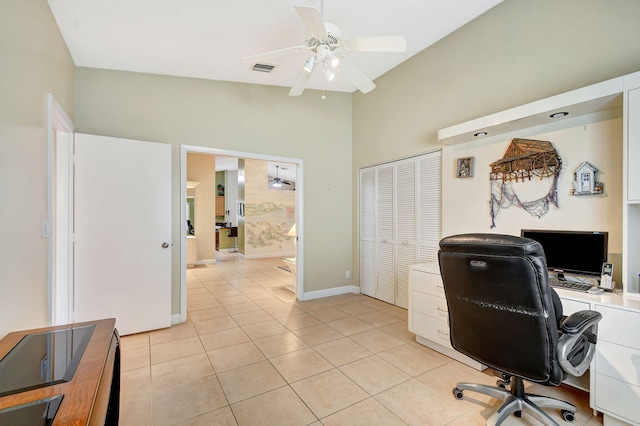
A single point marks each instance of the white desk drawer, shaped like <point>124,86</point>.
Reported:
<point>425,282</point>
<point>572,306</point>
<point>433,306</point>
<point>618,362</point>
<point>619,326</point>
<point>617,397</point>
<point>431,328</point>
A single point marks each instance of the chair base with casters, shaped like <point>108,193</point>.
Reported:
<point>233,233</point>
<point>516,400</point>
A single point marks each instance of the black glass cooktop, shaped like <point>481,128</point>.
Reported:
<point>43,359</point>
<point>37,413</point>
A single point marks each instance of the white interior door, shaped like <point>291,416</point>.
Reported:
<point>122,232</point>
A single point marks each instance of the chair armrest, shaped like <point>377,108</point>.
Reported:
<point>580,332</point>
<point>579,321</point>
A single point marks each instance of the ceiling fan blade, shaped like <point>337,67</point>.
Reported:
<point>311,18</point>
<point>355,75</point>
<point>375,44</point>
<point>301,82</point>
<point>276,53</point>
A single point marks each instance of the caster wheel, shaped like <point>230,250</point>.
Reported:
<point>518,414</point>
<point>568,416</point>
<point>502,384</point>
<point>457,393</point>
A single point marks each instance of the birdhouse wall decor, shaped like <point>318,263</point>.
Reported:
<point>524,160</point>
<point>584,180</point>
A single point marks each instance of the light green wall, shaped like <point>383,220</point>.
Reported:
<point>245,118</point>
<point>33,61</point>
<point>517,52</point>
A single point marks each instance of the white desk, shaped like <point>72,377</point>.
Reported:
<point>614,379</point>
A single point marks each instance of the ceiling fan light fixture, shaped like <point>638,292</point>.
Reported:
<point>329,75</point>
<point>333,59</point>
<point>308,66</point>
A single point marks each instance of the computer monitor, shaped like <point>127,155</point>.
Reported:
<point>573,252</point>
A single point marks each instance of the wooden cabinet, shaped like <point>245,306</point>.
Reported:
<point>400,224</point>
<point>92,394</point>
<point>220,205</point>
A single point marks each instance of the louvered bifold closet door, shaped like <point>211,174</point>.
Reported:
<point>429,206</point>
<point>367,232</point>
<point>406,238</point>
<point>385,223</point>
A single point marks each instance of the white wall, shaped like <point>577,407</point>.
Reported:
<point>34,61</point>
<point>596,138</point>
<point>202,168</point>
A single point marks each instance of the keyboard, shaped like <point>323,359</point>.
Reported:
<point>569,285</point>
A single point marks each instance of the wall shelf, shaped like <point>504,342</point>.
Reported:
<point>586,100</point>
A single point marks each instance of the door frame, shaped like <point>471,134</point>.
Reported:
<point>299,247</point>
<point>59,222</point>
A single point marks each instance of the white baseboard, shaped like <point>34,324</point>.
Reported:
<point>176,319</point>
<point>205,262</point>
<point>335,291</point>
<point>263,255</point>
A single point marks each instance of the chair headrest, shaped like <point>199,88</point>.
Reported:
<point>495,244</point>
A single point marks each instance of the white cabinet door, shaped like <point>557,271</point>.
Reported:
<point>406,218</point>
<point>429,206</point>
<point>633,147</point>
<point>385,289</point>
<point>122,195</point>
<point>367,232</point>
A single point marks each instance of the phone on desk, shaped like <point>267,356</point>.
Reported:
<point>606,279</point>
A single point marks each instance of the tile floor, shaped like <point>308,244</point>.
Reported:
<point>250,354</point>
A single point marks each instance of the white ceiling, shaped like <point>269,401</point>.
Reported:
<point>206,38</point>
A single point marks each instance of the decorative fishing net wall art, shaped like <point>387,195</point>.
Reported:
<point>524,160</point>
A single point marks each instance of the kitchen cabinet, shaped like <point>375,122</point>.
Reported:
<point>219,205</point>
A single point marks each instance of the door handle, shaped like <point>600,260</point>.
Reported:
<point>165,245</point>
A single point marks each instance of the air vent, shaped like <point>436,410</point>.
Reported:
<point>263,67</point>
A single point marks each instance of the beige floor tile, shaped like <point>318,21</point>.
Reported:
<point>235,356</point>
<point>354,308</point>
<point>136,398</point>
<point>182,369</point>
<point>399,330</point>
<point>231,300</point>
<point>342,351</point>
<point>202,304</point>
<point>175,349</point>
<point>223,338</point>
<point>135,358</point>
<point>243,307</point>
<point>220,417</point>
<point>376,340</point>
<point>209,313</point>
<point>228,291</point>
<point>374,374</point>
<point>264,329</point>
<point>251,380</point>
<point>300,364</point>
<point>397,312</point>
<point>175,332</point>
<point>328,392</point>
<point>283,311</point>
<point>376,304</point>
<point>173,404</point>
<point>365,413</point>
<point>318,334</point>
<point>328,314</point>
<point>214,324</point>
<point>200,295</point>
<point>279,344</point>
<point>269,302</point>
<point>349,326</point>
<point>378,319</point>
<point>280,407</point>
<point>298,321</point>
<point>133,341</point>
<point>415,403</point>
<point>411,360</point>
<point>256,293</point>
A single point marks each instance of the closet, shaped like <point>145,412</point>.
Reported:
<point>400,223</point>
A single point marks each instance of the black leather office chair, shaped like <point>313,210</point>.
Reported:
<point>233,233</point>
<point>502,314</point>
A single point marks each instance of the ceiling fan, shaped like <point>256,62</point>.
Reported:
<point>277,182</point>
<point>327,46</point>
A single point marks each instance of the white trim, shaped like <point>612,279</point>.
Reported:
<point>175,319</point>
<point>263,255</point>
<point>334,291</point>
<point>58,121</point>
<point>205,262</point>
<point>184,149</point>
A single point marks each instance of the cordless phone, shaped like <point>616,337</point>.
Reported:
<point>607,276</point>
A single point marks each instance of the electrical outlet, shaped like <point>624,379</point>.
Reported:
<point>347,274</point>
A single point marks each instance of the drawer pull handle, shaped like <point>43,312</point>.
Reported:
<point>444,333</point>
<point>443,310</point>
<point>441,288</point>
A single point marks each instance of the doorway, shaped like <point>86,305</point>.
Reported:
<point>299,252</point>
